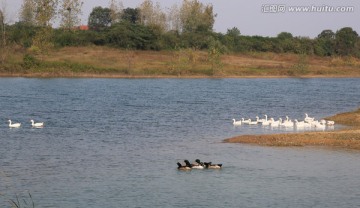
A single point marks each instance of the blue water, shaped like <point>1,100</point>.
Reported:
<point>115,143</point>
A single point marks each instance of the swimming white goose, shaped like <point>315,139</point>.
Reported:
<point>38,125</point>
<point>287,123</point>
<point>14,125</point>
<point>287,119</point>
<point>301,124</point>
<point>313,123</point>
<point>245,121</point>
<point>262,120</point>
<point>317,124</point>
<point>267,122</point>
<point>236,123</point>
<point>308,119</point>
<point>253,122</point>
<point>275,123</point>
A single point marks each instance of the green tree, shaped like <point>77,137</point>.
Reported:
<point>171,40</point>
<point>27,12</point>
<point>42,41</point>
<point>3,50</point>
<point>284,36</point>
<point>231,38</point>
<point>70,12</point>
<point>45,11</point>
<point>100,18</point>
<point>152,15</point>
<point>173,18</point>
<point>132,36</point>
<point>327,34</point>
<point>346,39</point>
<point>116,9</point>
<point>3,27</point>
<point>3,23</point>
<point>131,15</point>
<point>233,32</point>
<point>303,45</point>
<point>21,33</point>
<point>195,16</point>
<point>286,42</point>
<point>325,43</point>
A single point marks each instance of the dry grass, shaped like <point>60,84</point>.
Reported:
<point>348,138</point>
<point>348,118</point>
<point>111,62</point>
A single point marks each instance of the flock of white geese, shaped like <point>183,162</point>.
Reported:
<point>33,124</point>
<point>308,122</point>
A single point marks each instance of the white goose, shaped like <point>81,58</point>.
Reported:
<point>253,122</point>
<point>37,125</point>
<point>267,122</point>
<point>14,125</point>
<point>247,121</point>
<point>301,124</point>
<point>308,119</point>
<point>330,123</point>
<point>319,125</point>
<point>236,123</point>
<point>275,123</point>
<point>263,119</point>
<point>287,123</point>
<point>314,123</point>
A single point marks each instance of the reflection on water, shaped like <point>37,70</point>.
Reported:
<point>115,143</point>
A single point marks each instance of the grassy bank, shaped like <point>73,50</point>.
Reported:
<point>346,138</point>
<point>111,62</point>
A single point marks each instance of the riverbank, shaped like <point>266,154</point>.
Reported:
<point>105,62</point>
<point>349,137</point>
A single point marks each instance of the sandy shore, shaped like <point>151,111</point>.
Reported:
<point>349,137</point>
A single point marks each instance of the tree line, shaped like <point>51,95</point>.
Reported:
<point>149,27</point>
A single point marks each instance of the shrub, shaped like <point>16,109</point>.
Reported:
<point>30,61</point>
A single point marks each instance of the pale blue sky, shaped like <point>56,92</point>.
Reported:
<point>249,18</point>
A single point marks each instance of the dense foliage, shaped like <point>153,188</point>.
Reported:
<point>125,34</point>
<point>190,26</point>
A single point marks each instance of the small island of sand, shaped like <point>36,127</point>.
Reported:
<point>349,137</point>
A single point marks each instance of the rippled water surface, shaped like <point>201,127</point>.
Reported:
<point>115,143</point>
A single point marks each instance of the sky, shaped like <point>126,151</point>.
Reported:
<point>255,17</point>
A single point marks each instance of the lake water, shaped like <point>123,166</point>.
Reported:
<point>116,142</point>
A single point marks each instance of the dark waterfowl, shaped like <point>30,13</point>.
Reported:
<point>199,162</point>
<point>198,165</point>
<point>183,167</point>
<point>209,165</point>
<point>193,165</point>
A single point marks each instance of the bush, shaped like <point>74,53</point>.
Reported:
<point>30,61</point>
